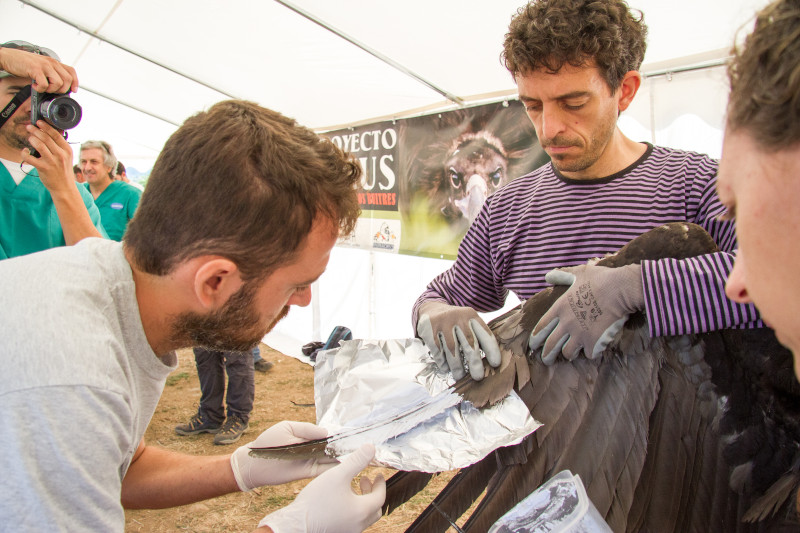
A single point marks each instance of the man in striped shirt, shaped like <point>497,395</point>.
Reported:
<point>576,67</point>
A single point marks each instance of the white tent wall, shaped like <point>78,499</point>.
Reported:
<point>369,292</point>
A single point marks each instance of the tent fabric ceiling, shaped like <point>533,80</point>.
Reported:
<point>146,65</point>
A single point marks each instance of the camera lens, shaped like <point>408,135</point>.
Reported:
<point>62,112</point>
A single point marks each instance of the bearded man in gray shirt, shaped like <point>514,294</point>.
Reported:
<point>242,209</point>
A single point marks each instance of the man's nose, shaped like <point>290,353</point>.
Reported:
<point>552,122</point>
<point>301,298</point>
<point>736,286</point>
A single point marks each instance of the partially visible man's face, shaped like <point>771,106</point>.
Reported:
<point>95,171</point>
<point>13,133</point>
<point>254,310</point>
<point>574,114</point>
<point>762,190</point>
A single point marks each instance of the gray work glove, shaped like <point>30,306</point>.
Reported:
<point>591,312</point>
<point>457,338</point>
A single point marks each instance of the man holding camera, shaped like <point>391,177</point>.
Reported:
<point>40,207</point>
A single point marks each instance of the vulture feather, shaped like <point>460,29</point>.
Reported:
<point>679,434</point>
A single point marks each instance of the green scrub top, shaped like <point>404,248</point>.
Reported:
<point>117,204</point>
<point>28,219</point>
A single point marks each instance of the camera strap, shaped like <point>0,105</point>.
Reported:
<point>15,102</point>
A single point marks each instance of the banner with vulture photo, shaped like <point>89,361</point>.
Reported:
<point>425,178</point>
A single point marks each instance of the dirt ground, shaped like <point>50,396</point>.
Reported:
<point>286,392</point>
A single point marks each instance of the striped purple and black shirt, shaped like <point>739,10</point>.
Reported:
<point>544,220</point>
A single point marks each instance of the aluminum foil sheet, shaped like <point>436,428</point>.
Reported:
<point>390,393</point>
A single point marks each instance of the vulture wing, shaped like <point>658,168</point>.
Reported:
<point>694,433</point>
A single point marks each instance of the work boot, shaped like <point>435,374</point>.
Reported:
<point>197,424</point>
<point>231,430</point>
<point>262,365</point>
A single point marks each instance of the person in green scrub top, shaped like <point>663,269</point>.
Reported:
<point>122,176</point>
<point>116,200</point>
<point>41,205</point>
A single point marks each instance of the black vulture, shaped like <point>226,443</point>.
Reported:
<point>678,434</point>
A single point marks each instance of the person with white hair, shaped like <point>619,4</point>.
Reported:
<point>116,200</point>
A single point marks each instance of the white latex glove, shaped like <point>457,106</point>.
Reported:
<point>450,332</point>
<point>592,311</point>
<point>328,504</point>
<point>251,472</point>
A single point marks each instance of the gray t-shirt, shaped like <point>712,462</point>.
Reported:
<point>78,386</point>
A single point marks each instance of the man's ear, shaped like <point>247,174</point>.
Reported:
<point>215,280</point>
<point>628,89</point>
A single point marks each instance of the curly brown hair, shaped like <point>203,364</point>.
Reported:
<point>242,182</point>
<point>765,79</point>
<point>547,34</point>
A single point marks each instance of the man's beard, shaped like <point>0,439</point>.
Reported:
<point>591,154</point>
<point>10,136</point>
<point>236,327</point>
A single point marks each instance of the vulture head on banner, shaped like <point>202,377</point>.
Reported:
<point>455,160</point>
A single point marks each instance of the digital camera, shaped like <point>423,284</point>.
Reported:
<point>58,109</point>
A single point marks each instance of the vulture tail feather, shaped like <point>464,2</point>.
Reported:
<point>456,497</point>
<point>402,486</point>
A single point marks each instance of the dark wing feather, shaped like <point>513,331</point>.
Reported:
<point>456,497</point>
<point>402,486</point>
<point>583,434</point>
<point>682,446</point>
<point>312,449</point>
<point>501,382</point>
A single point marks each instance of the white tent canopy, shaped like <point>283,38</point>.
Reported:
<point>144,66</point>
<point>171,59</point>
